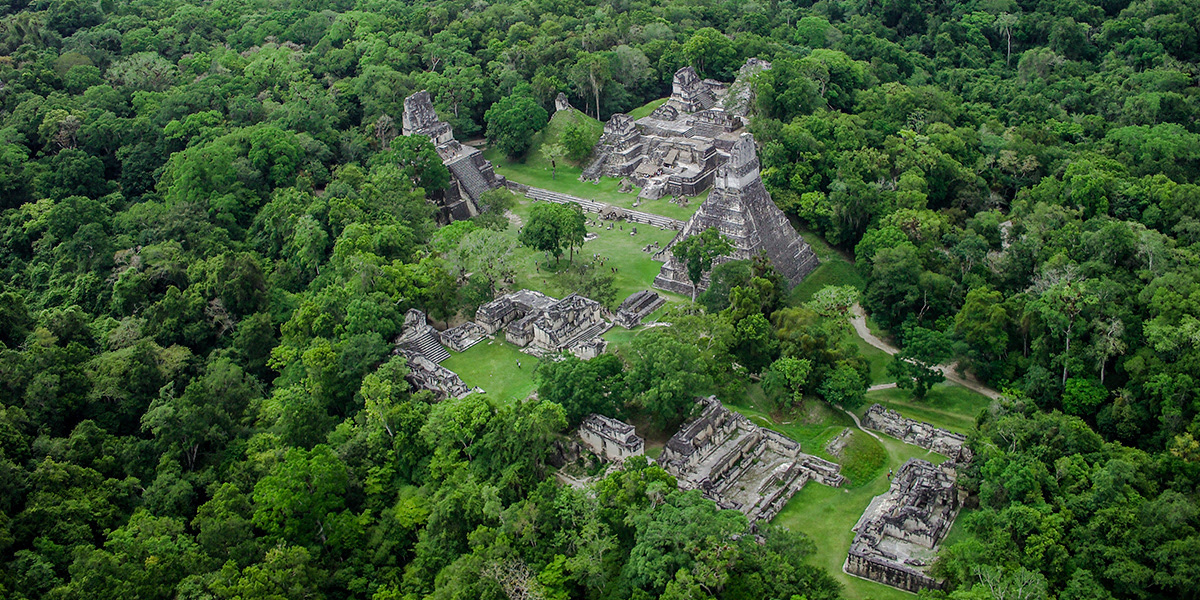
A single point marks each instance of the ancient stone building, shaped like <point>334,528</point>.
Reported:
<point>676,149</point>
<point>740,98</point>
<point>418,344</point>
<point>470,174</point>
<point>917,433</point>
<point>638,306</point>
<point>897,537</point>
<point>542,324</point>
<point>609,438</point>
<point>740,207</point>
<point>463,336</point>
<point>740,465</point>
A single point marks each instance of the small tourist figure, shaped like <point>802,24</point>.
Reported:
<point>519,366</point>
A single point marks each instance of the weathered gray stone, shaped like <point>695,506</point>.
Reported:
<point>609,438</point>
<point>638,306</point>
<point>739,465</point>
<point>544,325</point>
<point>740,207</point>
<point>418,344</point>
<point>471,175</point>
<point>463,336</point>
<point>947,443</point>
<point>561,102</point>
<point>897,536</point>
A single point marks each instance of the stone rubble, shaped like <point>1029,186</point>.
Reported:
<point>638,306</point>
<point>910,431</point>
<point>419,346</point>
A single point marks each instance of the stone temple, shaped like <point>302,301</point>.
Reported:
<point>418,344</point>
<point>470,174</point>
<point>609,438</point>
<point>676,149</point>
<point>740,207</point>
<point>544,325</point>
<point>897,537</point>
<point>740,465</point>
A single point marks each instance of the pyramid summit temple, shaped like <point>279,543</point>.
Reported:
<point>740,207</point>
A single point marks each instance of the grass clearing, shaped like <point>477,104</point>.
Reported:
<point>492,365</point>
<point>947,405</point>
<point>537,173</point>
<point>647,108</point>
<point>878,359</point>
<point>635,269</point>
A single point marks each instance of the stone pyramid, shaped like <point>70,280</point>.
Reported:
<point>740,207</point>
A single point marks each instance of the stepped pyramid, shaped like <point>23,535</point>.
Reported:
<point>470,174</point>
<point>740,207</point>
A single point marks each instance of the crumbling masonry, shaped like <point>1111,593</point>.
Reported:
<point>470,174</point>
<point>609,438</point>
<point>897,537</point>
<point>740,465</point>
<point>947,443</point>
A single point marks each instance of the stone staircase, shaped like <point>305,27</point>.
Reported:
<point>469,178</point>
<point>430,348</point>
<point>634,216</point>
<point>591,332</point>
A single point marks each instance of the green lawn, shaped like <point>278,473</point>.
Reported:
<point>827,515</point>
<point>830,272</point>
<point>878,358</point>
<point>646,109</point>
<point>947,405</point>
<point>492,365</point>
<point>635,269</point>
<point>534,173</point>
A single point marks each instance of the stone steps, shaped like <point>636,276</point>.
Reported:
<point>430,348</point>
<point>469,178</point>
<point>587,334</point>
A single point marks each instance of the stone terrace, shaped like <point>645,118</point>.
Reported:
<point>947,443</point>
<point>739,465</point>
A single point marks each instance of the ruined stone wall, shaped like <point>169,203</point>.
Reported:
<point>887,573</point>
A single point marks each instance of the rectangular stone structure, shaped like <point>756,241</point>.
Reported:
<point>897,537</point>
<point>609,438</point>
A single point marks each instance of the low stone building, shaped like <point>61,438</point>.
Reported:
<point>742,210</point>
<point>471,175</point>
<point>463,336</point>
<point>542,324</point>
<point>739,465</point>
<point>896,539</point>
<point>609,438</point>
<point>910,431</point>
<point>638,306</point>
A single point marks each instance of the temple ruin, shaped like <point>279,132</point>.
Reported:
<point>947,443</point>
<point>676,149</point>
<point>609,438</point>
<point>470,174</point>
<point>543,325</point>
<point>418,344</point>
<point>638,306</point>
<point>897,536</point>
<point>740,207</point>
<point>740,465</point>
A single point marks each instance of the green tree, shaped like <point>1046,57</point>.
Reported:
<point>553,228</point>
<point>916,366</point>
<point>512,121</point>
<point>697,253</point>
